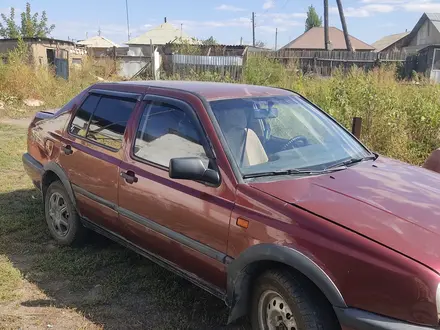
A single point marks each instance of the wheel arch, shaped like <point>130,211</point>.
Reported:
<point>250,263</point>
<point>52,169</point>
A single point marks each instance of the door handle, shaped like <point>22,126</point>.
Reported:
<point>129,177</point>
<point>67,149</point>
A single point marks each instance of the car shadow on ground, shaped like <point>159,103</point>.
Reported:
<point>109,284</point>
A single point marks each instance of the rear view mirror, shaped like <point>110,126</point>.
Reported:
<point>265,113</point>
<point>192,168</point>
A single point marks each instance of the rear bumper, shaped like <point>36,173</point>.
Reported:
<point>355,319</point>
<point>33,168</point>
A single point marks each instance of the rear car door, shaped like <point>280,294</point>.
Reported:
<point>91,153</point>
<point>186,222</point>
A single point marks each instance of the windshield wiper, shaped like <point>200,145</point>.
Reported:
<point>284,172</point>
<point>351,161</point>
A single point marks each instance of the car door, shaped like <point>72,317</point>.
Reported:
<point>91,153</point>
<point>185,222</point>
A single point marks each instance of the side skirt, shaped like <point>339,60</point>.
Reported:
<point>156,259</point>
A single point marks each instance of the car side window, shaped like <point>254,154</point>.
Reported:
<point>165,132</point>
<point>82,116</point>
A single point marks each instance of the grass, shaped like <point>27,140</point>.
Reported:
<point>100,284</point>
<point>10,279</point>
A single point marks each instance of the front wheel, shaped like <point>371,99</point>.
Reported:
<point>283,301</point>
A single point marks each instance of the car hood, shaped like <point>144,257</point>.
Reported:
<point>393,203</point>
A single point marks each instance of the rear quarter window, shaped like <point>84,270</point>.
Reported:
<point>109,121</point>
<point>82,117</point>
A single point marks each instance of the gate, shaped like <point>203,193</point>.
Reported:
<point>62,63</point>
<point>435,69</point>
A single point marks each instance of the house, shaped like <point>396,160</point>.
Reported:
<point>390,43</point>
<point>162,35</point>
<point>98,46</point>
<point>44,51</point>
<point>313,39</point>
<point>425,33</point>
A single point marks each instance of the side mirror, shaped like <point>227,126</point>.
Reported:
<point>192,168</point>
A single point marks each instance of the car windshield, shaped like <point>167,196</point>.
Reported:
<point>281,133</point>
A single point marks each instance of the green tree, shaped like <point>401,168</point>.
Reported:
<point>210,41</point>
<point>313,20</point>
<point>32,25</point>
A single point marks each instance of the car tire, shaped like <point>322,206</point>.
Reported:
<point>284,300</point>
<point>61,216</point>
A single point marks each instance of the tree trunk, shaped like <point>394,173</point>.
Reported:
<point>344,25</point>
<point>326,36</point>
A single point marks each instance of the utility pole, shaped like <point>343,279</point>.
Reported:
<point>326,36</point>
<point>344,25</point>
<point>253,29</point>
<point>276,38</point>
<point>128,20</point>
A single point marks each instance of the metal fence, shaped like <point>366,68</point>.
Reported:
<point>188,65</point>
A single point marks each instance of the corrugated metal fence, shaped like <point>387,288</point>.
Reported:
<point>188,65</point>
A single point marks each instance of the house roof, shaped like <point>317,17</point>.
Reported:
<point>433,17</point>
<point>161,35</point>
<point>314,39</point>
<point>387,41</point>
<point>37,39</point>
<point>98,42</point>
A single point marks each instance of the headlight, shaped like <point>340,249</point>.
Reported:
<point>437,300</point>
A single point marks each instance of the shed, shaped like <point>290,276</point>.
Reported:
<point>98,46</point>
<point>44,51</point>
<point>391,43</point>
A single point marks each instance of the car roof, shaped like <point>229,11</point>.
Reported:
<point>212,90</point>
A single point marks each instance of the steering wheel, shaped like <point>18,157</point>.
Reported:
<point>296,142</point>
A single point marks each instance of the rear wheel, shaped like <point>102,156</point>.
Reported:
<point>282,301</point>
<point>61,216</point>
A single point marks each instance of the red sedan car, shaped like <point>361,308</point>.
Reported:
<point>252,193</point>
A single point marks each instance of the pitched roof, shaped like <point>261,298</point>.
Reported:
<point>387,41</point>
<point>433,17</point>
<point>97,42</point>
<point>161,35</point>
<point>314,39</point>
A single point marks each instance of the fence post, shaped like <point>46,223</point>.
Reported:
<point>114,60</point>
<point>153,69</point>
<point>68,65</point>
<point>356,127</point>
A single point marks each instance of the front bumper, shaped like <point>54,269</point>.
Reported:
<point>33,168</point>
<point>355,319</point>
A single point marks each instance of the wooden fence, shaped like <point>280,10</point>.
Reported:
<point>325,62</point>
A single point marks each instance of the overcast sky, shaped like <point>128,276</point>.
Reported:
<point>226,20</point>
